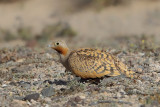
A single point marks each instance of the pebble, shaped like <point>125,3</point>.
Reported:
<point>122,92</point>
<point>139,82</point>
<point>75,99</point>
<point>60,82</point>
<point>34,96</point>
<point>48,55</point>
<point>37,83</point>
<point>71,104</point>
<point>47,99</point>
<point>19,103</point>
<point>141,54</point>
<point>19,98</point>
<point>21,69</point>
<point>24,84</point>
<point>82,97</point>
<point>13,83</point>
<point>48,81</point>
<point>33,102</point>
<point>4,85</point>
<point>146,78</point>
<point>93,103</point>
<point>47,92</point>
<point>118,95</point>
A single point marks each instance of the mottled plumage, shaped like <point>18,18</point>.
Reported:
<point>90,63</point>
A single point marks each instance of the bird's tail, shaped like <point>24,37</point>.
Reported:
<point>125,71</point>
<point>123,68</point>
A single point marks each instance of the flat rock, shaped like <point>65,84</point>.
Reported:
<point>34,96</point>
<point>24,84</point>
<point>21,69</point>
<point>47,92</point>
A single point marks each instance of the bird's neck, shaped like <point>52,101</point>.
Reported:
<point>64,54</point>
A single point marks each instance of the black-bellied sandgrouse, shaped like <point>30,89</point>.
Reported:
<point>90,63</point>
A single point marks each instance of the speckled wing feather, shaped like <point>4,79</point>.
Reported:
<point>93,63</point>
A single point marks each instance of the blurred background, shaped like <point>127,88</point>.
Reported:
<point>83,23</point>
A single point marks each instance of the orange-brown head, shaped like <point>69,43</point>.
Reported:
<point>60,47</point>
<point>64,52</point>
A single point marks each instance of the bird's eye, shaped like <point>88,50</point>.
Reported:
<point>57,43</point>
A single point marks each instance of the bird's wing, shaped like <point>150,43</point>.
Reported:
<point>92,63</point>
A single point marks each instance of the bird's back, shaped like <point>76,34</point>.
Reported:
<point>93,63</point>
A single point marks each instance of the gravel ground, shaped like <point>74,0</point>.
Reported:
<point>31,75</point>
<point>34,77</point>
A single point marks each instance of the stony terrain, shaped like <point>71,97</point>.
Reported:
<point>34,77</point>
<point>30,72</point>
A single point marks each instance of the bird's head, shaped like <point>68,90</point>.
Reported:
<point>60,47</point>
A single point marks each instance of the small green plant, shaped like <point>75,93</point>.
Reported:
<point>76,85</point>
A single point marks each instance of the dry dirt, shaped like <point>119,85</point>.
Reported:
<point>30,72</point>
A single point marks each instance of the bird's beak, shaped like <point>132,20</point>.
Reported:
<point>50,46</point>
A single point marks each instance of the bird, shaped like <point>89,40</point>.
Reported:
<point>89,62</point>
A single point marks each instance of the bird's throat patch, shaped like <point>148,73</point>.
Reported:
<point>61,50</point>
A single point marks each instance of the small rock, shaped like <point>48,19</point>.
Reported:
<point>143,105</point>
<point>19,98</point>
<point>48,55</point>
<point>146,78</point>
<point>118,95</point>
<point>19,103</point>
<point>155,103</point>
<point>21,69</point>
<point>57,98</point>
<point>122,92</point>
<point>47,105</point>
<point>29,103</point>
<point>48,99</point>
<point>34,96</point>
<point>33,102</point>
<point>82,97</point>
<point>59,82</point>
<point>24,84</point>
<point>139,82</point>
<point>141,54</point>
<point>4,85</point>
<point>93,103</point>
<point>48,81</point>
<point>13,83</point>
<point>37,82</point>
<point>47,92</point>
<point>70,104</point>
<point>155,67</point>
<point>76,99</point>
